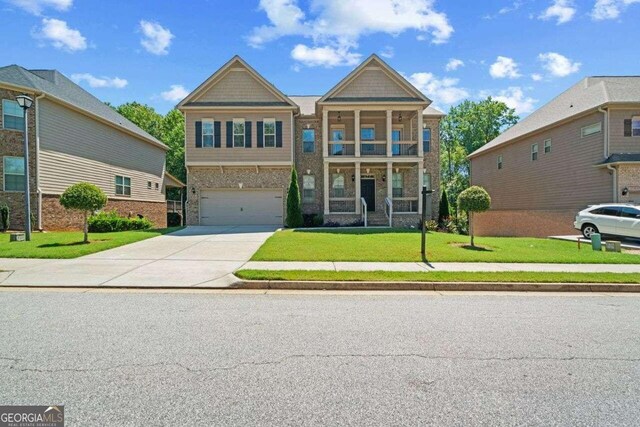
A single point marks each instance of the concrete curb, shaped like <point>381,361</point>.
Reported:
<point>437,286</point>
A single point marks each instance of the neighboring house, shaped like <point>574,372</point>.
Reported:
<point>74,137</point>
<point>580,149</point>
<point>371,139</point>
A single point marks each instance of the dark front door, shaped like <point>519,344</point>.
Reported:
<point>368,191</point>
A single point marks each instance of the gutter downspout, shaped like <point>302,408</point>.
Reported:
<point>606,131</point>
<point>38,189</point>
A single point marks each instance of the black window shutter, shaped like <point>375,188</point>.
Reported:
<point>278,134</point>
<point>247,134</point>
<point>627,127</point>
<point>198,134</point>
<point>259,134</point>
<point>229,134</point>
<point>216,134</point>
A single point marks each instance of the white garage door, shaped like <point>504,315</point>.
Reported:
<point>241,207</point>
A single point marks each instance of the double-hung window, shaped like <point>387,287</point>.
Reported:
<point>635,126</point>
<point>12,115</point>
<point>396,137</point>
<point>207,133</point>
<point>534,152</point>
<point>337,137</point>
<point>398,185</point>
<point>547,146</point>
<point>269,132</point>
<point>426,181</point>
<point>308,140</point>
<point>13,173</point>
<point>238,133</point>
<point>337,185</point>
<point>308,188</point>
<point>426,139</point>
<point>123,185</point>
<point>500,161</point>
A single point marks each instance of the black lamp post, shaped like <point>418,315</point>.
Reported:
<point>423,249</point>
<point>25,103</point>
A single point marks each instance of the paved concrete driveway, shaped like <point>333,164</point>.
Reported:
<point>192,257</point>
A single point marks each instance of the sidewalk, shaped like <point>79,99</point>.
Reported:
<point>441,266</point>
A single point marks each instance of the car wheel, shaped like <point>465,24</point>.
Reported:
<point>589,230</point>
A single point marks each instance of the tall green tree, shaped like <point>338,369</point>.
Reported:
<point>294,208</point>
<point>467,127</point>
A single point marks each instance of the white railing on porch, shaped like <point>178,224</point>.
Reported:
<point>363,206</point>
<point>405,204</point>
<point>388,210</point>
<point>373,148</point>
<point>342,205</point>
<point>404,148</point>
<point>174,206</point>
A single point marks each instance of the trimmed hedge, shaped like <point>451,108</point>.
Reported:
<point>106,222</point>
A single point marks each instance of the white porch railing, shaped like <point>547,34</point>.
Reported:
<point>174,206</point>
<point>388,210</point>
<point>363,206</point>
<point>373,148</point>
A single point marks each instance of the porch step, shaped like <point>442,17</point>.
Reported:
<point>377,219</point>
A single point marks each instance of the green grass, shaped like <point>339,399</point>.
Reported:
<point>438,276</point>
<point>395,245</point>
<point>68,244</point>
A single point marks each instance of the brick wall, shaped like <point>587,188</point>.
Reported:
<point>540,223</point>
<point>311,162</point>
<point>629,177</point>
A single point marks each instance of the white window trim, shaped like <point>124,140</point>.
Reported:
<point>123,186</point>
<point>337,127</point>
<point>634,119</point>
<point>213,132</point>
<point>333,182</point>
<point>3,113</point>
<point>585,129</point>
<point>500,162</point>
<point>367,126</point>
<point>244,132</point>
<point>547,143</point>
<point>4,173</point>
<point>314,141</point>
<point>534,150</point>
<point>264,133</point>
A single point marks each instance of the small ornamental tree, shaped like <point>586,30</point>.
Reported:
<point>473,199</point>
<point>4,217</point>
<point>86,198</point>
<point>443,211</point>
<point>294,210</point>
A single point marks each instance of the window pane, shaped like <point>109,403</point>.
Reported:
<point>119,189</point>
<point>207,140</point>
<point>269,140</point>
<point>426,134</point>
<point>14,182</point>
<point>396,135</point>
<point>397,192</point>
<point>238,140</point>
<point>338,180</point>
<point>127,182</point>
<point>11,122</point>
<point>308,135</point>
<point>12,108</point>
<point>367,134</point>
<point>591,129</point>
<point>118,180</point>
<point>635,126</point>
<point>308,147</point>
<point>14,165</point>
<point>127,191</point>
<point>336,149</point>
<point>269,128</point>
<point>397,180</point>
<point>426,180</point>
<point>207,128</point>
<point>308,182</point>
<point>337,135</point>
<point>238,128</point>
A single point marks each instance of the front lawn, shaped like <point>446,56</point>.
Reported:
<point>396,245</point>
<point>437,276</point>
<point>68,244</point>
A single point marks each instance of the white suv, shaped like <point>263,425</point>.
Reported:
<point>611,218</point>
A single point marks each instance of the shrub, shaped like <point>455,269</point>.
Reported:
<point>294,210</point>
<point>4,217</point>
<point>443,211</point>
<point>110,221</point>
<point>317,220</point>
<point>174,219</point>
<point>85,198</point>
<point>432,225</point>
<point>473,199</point>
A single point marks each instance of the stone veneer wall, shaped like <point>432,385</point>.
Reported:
<point>55,217</point>
<point>203,178</point>
<point>11,144</point>
<point>629,177</point>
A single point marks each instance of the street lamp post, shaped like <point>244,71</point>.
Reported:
<point>25,103</point>
<point>423,249</point>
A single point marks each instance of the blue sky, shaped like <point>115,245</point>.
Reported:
<point>524,52</point>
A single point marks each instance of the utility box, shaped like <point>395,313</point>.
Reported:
<point>16,237</point>
<point>596,242</point>
<point>613,246</point>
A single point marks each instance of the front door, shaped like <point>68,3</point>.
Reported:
<point>368,191</point>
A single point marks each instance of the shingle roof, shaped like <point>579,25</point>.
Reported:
<point>55,84</point>
<point>588,94</point>
<point>622,158</point>
<point>237,104</point>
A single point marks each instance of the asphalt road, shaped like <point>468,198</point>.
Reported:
<point>130,358</point>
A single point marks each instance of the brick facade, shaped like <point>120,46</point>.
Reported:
<point>310,163</point>
<point>629,178</point>
<point>525,223</point>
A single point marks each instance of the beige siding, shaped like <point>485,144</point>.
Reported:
<point>564,179</point>
<point>620,143</point>
<point>224,154</point>
<point>77,148</point>
<point>237,85</point>
<point>373,82</point>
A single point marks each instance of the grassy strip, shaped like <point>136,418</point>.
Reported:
<point>68,244</point>
<point>395,245</point>
<point>438,276</point>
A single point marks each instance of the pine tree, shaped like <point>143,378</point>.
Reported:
<point>294,210</point>
<point>443,212</point>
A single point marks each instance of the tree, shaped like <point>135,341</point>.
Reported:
<point>443,211</point>
<point>473,199</point>
<point>467,127</point>
<point>294,210</point>
<point>86,198</point>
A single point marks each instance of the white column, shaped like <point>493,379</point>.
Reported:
<point>325,189</point>
<point>420,144</point>
<point>420,184</point>
<point>389,132</point>
<point>325,133</point>
<point>356,131</point>
<point>358,189</point>
<point>390,179</point>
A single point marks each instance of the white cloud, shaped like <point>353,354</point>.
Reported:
<point>59,34</point>
<point>610,9</point>
<point>536,77</point>
<point>558,65</point>
<point>175,94</point>
<point>388,52</point>
<point>504,67</point>
<point>114,82</point>
<point>156,39</point>
<point>560,10</point>
<point>515,98</point>
<point>454,64</point>
<point>324,56</point>
<point>36,7</point>
<point>443,91</point>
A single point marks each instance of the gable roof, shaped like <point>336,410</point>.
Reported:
<point>417,96</point>
<point>307,104</point>
<point>283,100</point>
<point>587,95</point>
<point>58,87</point>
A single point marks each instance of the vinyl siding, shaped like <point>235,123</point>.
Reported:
<point>618,142</point>
<point>237,85</point>
<point>372,82</point>
<point>224,154</point>
<point>564,179</point>
<point>77,148</point>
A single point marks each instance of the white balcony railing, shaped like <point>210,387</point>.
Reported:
<point>373,148</point>
<point>404,148</point>
<point>342,148</point>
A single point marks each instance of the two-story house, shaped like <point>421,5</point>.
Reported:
<point>74,137</point>
<point>580,149</point>
<point>362,150</point>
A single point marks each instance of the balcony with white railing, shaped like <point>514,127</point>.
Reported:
<point>341,149</point>
<point>373,148</point>
<point>404,148</point>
